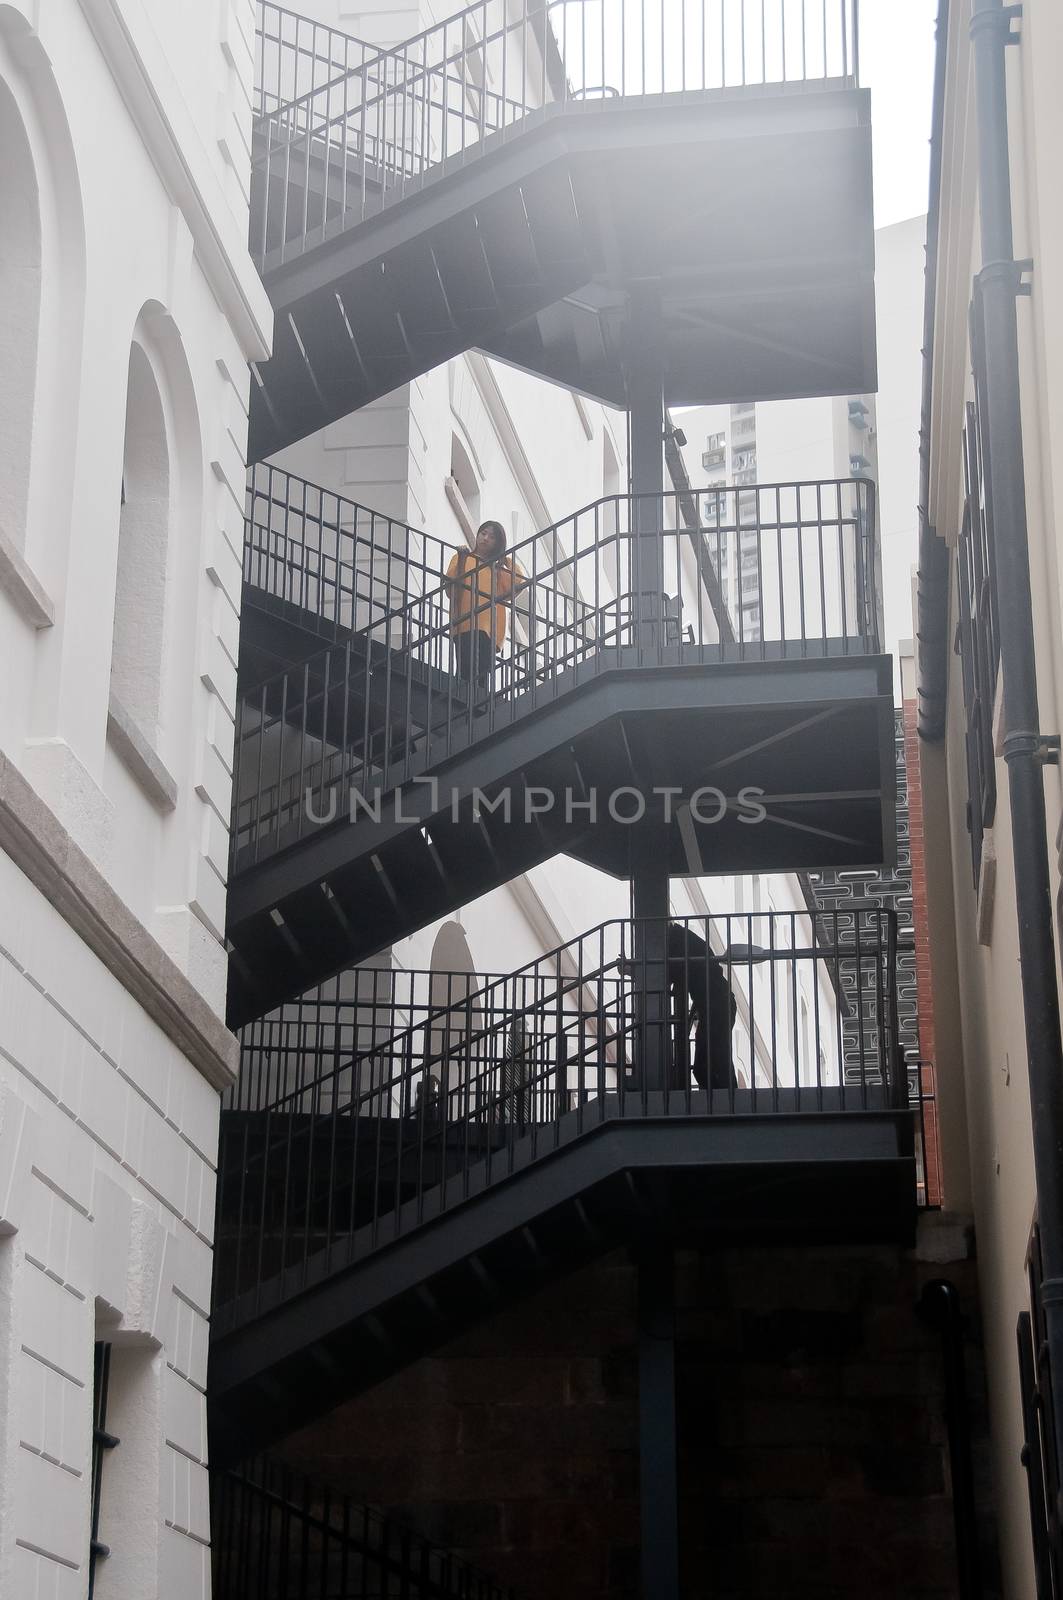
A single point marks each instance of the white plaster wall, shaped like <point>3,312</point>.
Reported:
<point>137,118</point>
<point>108,1144</point>
<point>141,229</point>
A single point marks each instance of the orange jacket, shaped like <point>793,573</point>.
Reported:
<point>478,591</point>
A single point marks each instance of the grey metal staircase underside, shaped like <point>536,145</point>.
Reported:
<point>814,735</point>
<point>749,209</point>
<point>305,1340</point>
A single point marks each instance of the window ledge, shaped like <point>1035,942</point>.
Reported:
<point>40,846</point>
<point>998,715</point>
<point>987,888</point>
<point>139,758</point>
<point>28,595</point>
<point>460,509</point>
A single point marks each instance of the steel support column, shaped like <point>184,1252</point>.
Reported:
<point>646,467</point>
<point>649,900</point>
<point>658,1470</point>
<point>649,854</point>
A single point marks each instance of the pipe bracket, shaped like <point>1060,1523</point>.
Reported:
<point>1042,747</point>
<point>1011,273</point>
<point>1051,1291</point>
<point>998,21</point>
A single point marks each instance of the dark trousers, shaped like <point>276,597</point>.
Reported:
<point>712,1065</point>
<point>710,1061</point>
<point>476,657</point>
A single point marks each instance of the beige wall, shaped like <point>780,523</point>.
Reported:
<point>973,927</point>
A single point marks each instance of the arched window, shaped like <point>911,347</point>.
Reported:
<point>20,309</point>
<point>454,1044</point>
<point>463,488</point>
<point>614,566</point>
<point>143,536</point>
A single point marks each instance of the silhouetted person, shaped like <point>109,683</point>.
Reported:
<point>701,990</point>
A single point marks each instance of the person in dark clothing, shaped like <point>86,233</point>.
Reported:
<point>701,990</point>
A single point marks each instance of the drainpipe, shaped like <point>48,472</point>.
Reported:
<point>939,1304</point>
<point>1026,750</point>
<point>932,603</point>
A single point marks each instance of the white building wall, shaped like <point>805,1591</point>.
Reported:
<point>984,1085</point>
<point>124,261</point>
<point>124,167</point>
<point>108,1141</point>
<point>899,253</point>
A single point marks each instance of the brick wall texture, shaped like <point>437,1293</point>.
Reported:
<point>813,1451</point>
<point>901,888</point>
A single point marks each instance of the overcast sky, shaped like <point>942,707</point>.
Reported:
<point>897,65</point>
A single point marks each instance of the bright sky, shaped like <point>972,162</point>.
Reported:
<point>643,47</point>
<point>897,65</point>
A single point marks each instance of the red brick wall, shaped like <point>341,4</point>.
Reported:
<point>924,971</point>
<point>813,1458</point>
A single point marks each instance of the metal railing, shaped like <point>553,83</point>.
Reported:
<point>1041,1455</point>
<point>344,566</point>
<point>616,584</point>
<point>324,1158</point>
<point>295,56</point>
<point>347,148</point>
<point>337,1020</point>
<point>923,1098</point>
<point>276,1535</point>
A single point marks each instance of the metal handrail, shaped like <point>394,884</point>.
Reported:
<point>322,552</point>
<point>341,1150</point>
<point>869,937</point>
<point>287,42</point>
<point>274,1532</point>
<point>381,125</point>
<point>939,1305</point>
<point>387,703</point>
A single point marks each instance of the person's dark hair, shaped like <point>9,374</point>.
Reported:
<point>500,538</point>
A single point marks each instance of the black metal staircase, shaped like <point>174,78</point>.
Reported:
<point>509,177</point>
<point>318,568</point>
<point>678,209</point>
<point>375,1199</point>
<point>277,1534</point>
<point>376,790</point>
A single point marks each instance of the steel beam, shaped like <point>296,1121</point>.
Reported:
<point>649,899</point>
<point>658,1467</point>
<point>645,382</point>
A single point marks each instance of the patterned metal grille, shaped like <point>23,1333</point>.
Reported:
<point>856,891</point>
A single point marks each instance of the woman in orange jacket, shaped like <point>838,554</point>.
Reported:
<point>479,584</point>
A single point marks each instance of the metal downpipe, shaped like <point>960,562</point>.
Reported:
<point>932,606</point>
<point>1025,748</point>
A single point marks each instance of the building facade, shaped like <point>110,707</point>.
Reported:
<point>567,1174</point>
<point>989,691</point>
<point>130,310</point>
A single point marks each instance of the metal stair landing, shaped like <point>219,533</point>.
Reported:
<point>371,1206</point>
<point>504,179</point>
<point>375,790</point>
